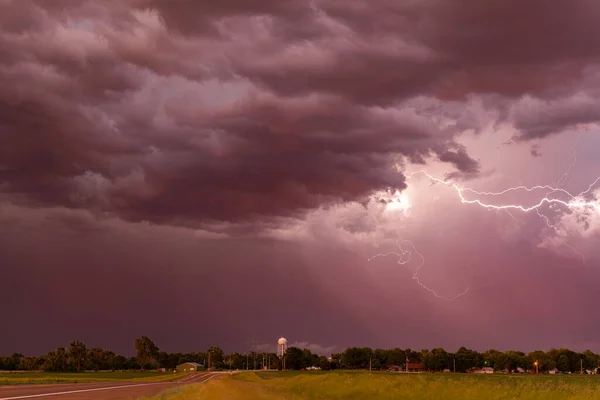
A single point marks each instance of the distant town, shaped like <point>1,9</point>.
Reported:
<point>77,358</point>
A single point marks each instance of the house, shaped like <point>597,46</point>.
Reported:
<point>554,371</point>
<point>189,367</point>
<point>520,370</point>
<point>414,367</point>
<point>394,368</point>
<point>484,370</point>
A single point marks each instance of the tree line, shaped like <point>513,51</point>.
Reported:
<point>77,357</point>
<point>466,360</point>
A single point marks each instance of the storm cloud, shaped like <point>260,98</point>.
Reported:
<point>112,106</point>
<point>225,130</point>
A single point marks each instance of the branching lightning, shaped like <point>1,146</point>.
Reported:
<point>572,203</point>
<point>565,176</point>
<point>473,197</point>
<point>405,256</point>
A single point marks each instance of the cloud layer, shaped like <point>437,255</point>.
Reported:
<point>188,142</point>
<point>164,112</point>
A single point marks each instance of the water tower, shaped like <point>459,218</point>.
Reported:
<point>281,349</point>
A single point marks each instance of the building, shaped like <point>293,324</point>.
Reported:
<point>415,367</point>
<point>554,371</point>
<point>189,367</point>
<point>484,370</point>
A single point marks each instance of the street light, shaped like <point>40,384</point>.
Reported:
<point>536,366</point>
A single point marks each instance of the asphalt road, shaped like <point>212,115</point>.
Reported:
<point>97,391</point>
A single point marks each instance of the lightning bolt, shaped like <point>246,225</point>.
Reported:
<point>571,201</point>
<point>565,176</point>
<point>405,256</point>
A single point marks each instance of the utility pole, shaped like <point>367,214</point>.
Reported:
<point>406,365</point>
<point>454,360</point>
<point>247,367</point>
<point>254,361</point>
<point>370,364</point>
<point>581,366</point>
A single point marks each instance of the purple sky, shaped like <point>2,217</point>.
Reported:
<point>220,173</point>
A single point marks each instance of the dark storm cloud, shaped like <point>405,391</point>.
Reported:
<point>192,18</point>
<point>535,119</point>
<point>72,136</point>
<point>324,114</point>
<point>460,159</point>
<point>142,142</point>
<point>381,51</point>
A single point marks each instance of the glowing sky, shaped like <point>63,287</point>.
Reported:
<point>231,168</point>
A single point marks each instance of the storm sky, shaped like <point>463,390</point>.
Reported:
<point>221,172</point>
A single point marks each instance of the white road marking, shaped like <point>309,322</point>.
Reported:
<point>30,396</point>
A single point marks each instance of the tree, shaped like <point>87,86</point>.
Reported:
<point>501,362</point>
<point>131,363</point>
<point>147,353</point>
<point>545,362</point>
<point>438,360</point>
<point>57,360</point>
<point>99,359</point>
<point>215,356</point>
<point>467,359</point>
<point>590,360</point>
<point>324,363</point>
<point>394,357</point>
<point>563,363</point>
<point>29,363</point>
<point>294,358</point>
<point>116,362</point>
<point>489,359</point>
<point>413,356</point>
<point>380,357</point>
<point>309,359</point>
<point>10,363</point>
<point>357,357</point>
<point>237,360</point>
<point>77,355</point>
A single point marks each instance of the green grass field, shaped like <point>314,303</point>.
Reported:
<point>384,386</point>
<point>81,377</point>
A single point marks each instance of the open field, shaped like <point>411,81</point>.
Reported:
<point>27,378</point>
<point>382,385</point>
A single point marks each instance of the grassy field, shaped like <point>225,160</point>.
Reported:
<point>81,377</point>
<point>384,386</point>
